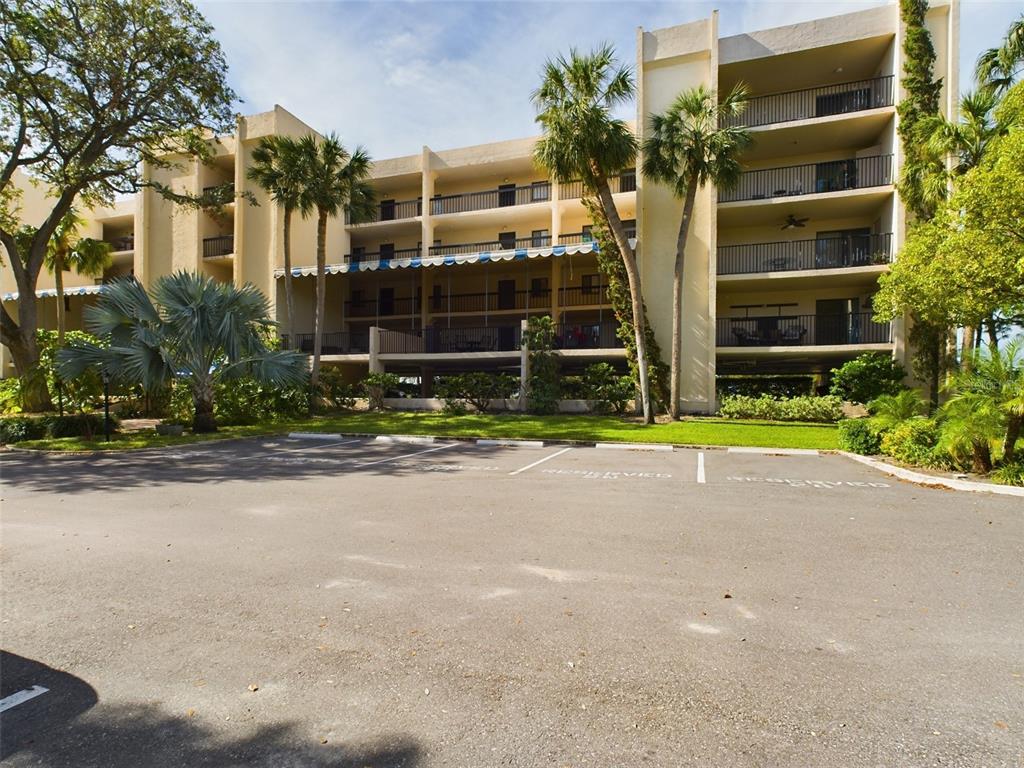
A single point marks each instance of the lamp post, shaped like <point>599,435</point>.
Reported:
<point>106,404</point>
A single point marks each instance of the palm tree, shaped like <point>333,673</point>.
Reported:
<point>691,145</point>
<point>889,410</point>
<point>333,180</point>
<point>67,252</point>
<point>581,140</point>
<point>194,328</point>
<point>277,168</point>
<point>998,67</point>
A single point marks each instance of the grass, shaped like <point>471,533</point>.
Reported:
<point>693,431</point>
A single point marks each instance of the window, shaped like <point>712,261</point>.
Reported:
<point>357,254</point>
<point>627,180</point>
<point>507,241</point>
<point>539,287</point>
<point>587,233</point>
<point>539,238</point>
<point>506,195</point>
<point>591,284</point>
<point>387,210</point>
<point>506,294</point>
<point>540,190</point>
<point>387,251</point>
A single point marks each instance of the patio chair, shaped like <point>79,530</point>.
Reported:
<point>792,335</point>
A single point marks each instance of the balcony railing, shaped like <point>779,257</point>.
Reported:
<point>625,182</point>
<point>223,245</point>
<point>492,301</point>
<point>538,241</point>
<point>492,198</point>
<point>822,101</point>
<point>801,330</point>
<point>337,343</point>
<point>383,307</point>
<point>401,253</point>
<point>392,210</point>
<point>587,336</point>
<point>821,253</point>
<point>505,338</point>
<point>583,296</point>
<point>575,238</point>
<point>126,243</point>
<point>226,189</point>
<point>811,178</point>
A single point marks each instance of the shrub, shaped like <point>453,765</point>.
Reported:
<point>335,391</point>
<point>867,377</point>
<point>377,386</point>
<point>822,409</point>
<point>915,441</point>
<point>18,428</point>
<point>84,425</point>
<point>10,395</point>
<point>247,401</point>
<point>859,436</point>
<point>544,389</point>
<point>573,388</point>
<point>755,386</point>
<point>889,410</point>
<point>609,391</point>
<point>478,389</point>
<point>1010,474</point>
<point>81,393</point>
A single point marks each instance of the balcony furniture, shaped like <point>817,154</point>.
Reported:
<point>792,335</point>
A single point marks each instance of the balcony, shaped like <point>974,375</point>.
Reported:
<point>569,336</point>
<point>823,101</point>
<point>392,210</point>
<point>497,338</point>
<point>382,307</point>
<point>811,179</point>
<point>503,197</point>
<point>480,303</point>
<point>801,330</point>
<point>385,255</point>
<point>216,247</point>
<point>625,182</point>
<point>584,296</point>
<point>575,238</point>
<point>120,244</point>
<point>486,246</point>
<point>796,255</point>
<point>225,192</point>
<point>339,343</point>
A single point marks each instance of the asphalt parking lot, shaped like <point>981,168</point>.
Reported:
<point>352,602</point>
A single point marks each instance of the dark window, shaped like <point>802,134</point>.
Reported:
<point>630,227</point>
<point>387,250</point>
<point>436,299</point>
<point>506,294</point>
<point>843,248</point>
<point>387,210</point>
<point>591,283</point>
<point>386,301</point>
<point>587,233</point>
<point>507,240</point>
<point>627,180</point>
<point>540,190</point>
<point>506,194</point>
<point>539,238</point>
<point>836,176</point>
<point>357,254</point>
<point>539,287</point>
<point>837,321</point>
<point>839,103</point>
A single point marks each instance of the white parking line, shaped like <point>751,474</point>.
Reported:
<point>541,461</point>
<point>302,449</point>
<point>407,455</point>
<point>700,468</point>
<point>21,697</point>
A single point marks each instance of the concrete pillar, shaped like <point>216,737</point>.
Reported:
<point>556,286</point>
<point>426,381</point>
<point>238,265</point>
<point>524,368</point>
<point>376,366</point>
<point>425,289</point>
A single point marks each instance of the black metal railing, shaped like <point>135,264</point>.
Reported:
<point>336,343</point>
<point>587,336</point>
<point>538,241</point>
<point>820,253</point>
<point>843,98</point>
<point>624,182</point>
<point>223,245</point>
<point>439,340</point>
<point>583,296</point>
<point>490,301</point>
<point>575,238</point>
<point>811,178</point>
<point>225,189</point>
<point>383,307</point>
<point>126,243</point>
<point>801,330</point>
<point>391,210</point>
<point>491,198</point>
<point>401,253</point>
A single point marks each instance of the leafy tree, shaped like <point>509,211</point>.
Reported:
<point>333,180</point>
<point>277,166</point>
<point>67,251</point>
<point>90,90</point>
<point>866,377</point>
<point>689,146</point>
<point>194,329</point>
<point>997,68</point>
<point>581,140</point>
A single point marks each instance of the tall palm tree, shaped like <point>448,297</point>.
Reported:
<point>67,252</point>
<point>193,328</point>
<point>998,67</point>
<point>689,147</point>
<point>581,140</point>
<point>277,166</point>
<point>334,180</point>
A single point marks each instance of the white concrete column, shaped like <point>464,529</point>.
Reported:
<point>376,366</point>
<point>524,367</point>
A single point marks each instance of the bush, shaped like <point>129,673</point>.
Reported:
<point>755,386</point>
<point>544,387</point>
<point>477,389</point>
<point>609,391</point>
<point>1009,474</point>
<point>866,377</point>
<point>18,428</point>
<point>335,391</point>
<point>915,441</point>
<point>889,410</point>
<point>79,394</point>
<point>859,436</point>
<point>247,401</point>
<point>84,425</point>
<point>806,408</point>
<point>10,396</point>
<point>377,386</point>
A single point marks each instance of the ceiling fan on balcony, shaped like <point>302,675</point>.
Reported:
<point>792,222</point>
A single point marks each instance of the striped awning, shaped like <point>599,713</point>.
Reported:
<point>47,293</point>
<point>441,260</point>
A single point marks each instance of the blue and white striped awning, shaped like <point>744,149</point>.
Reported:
<point>47,293</point>
<point>449,259</point>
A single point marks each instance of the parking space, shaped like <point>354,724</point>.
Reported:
<point>353,601</point>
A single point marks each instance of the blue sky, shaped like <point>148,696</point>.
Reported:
<point>394,76</point>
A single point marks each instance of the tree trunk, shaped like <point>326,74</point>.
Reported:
<point>202,399</point>
<point>289,319</point>
<point>967,350</point>
<point>993,335</point>
<point>35,395</point>
<point>636,297</point>
<point>982,456</point>
<point>321,290</point>
<point>934,374</point>
<point>677,297</point>
<point>1013,426</point>
<point>58,281</point>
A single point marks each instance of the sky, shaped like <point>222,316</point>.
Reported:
<point>394,76</point>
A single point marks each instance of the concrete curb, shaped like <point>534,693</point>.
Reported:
<point>413,439</point>
<point>922,479</point>
<point>509,443</point>
<point>636,446</point>
<point>313,436</point>
<point>777,451</point>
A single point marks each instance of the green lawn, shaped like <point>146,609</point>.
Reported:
<point>695,431</point>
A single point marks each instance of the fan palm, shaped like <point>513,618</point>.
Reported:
<point>889,410</point>
<point>333,180</point>
<point>581,140</point>
<point>689,146</point>
<point>277,168</point>
<point>193,328</point>
<point>67,252</point>
<point>998,67</point>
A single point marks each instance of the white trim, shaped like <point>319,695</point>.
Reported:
<point>636,446</point>
<point>51,293</point>
<point>512,443</point>
<point>923,479</point>
<point>776,451</point>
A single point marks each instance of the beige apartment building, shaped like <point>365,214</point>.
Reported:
<point>468,243</point>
